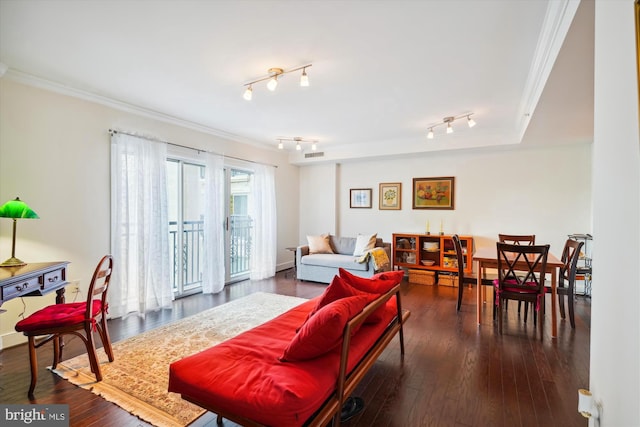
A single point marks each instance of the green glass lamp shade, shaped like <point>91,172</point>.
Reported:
<point>15,209</point>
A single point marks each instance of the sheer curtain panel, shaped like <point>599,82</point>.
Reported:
<point>262,208</point>
<point>139,226</point>
<point>213,280</point>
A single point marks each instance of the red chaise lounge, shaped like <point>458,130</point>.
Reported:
<point>299,368</point>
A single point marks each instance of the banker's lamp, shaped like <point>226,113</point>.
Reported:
<point>15,209</point>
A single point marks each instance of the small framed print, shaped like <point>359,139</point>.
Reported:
<point>390,196</point>
<point>360,198</point>
<point>434,193</point>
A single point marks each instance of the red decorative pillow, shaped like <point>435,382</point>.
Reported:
<point>338,289</point>
<point>378,284</point>
<point>322,332</point>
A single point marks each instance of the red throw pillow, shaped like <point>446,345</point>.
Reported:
<point>322,332</point>
<point>379,283</point>
<point>338,289</point>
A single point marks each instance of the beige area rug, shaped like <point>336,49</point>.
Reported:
<point>138,378</point>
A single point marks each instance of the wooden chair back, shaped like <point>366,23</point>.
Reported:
<point>99,286</point>
<point>518,239</point>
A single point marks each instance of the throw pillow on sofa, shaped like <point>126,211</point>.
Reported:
<point>337,289</point>
<point>378,283</point>
<point>319,244</point>
<point>323,331</point>
<point>364,243</point>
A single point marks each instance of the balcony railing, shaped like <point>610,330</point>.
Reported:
<point>240,244</point>
<point>192,251</point>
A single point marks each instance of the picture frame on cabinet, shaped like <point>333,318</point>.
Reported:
<point>434,193</point>
<point>390,196</point>
<point>360,198</point>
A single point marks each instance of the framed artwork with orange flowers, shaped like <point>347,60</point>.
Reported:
<point>434,193</point>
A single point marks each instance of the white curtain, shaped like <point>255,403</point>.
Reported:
<point>139,226</point>
<point>262,209</point>
<point>214,275</point>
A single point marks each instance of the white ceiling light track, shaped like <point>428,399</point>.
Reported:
<point>299,141</point>
<point>448,121</point>
<point>272,77</point>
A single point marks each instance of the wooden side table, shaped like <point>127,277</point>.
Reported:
<point>295,261</point>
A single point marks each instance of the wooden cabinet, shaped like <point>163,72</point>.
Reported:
<point>430,252</point>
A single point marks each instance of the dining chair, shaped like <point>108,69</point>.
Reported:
<point>518,279</point>
<point>78,318</point>
<point>519,239</point>
<point>567,278</point>
<point>462,277</point>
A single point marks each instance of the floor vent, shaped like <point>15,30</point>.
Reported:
<point>314,154</point>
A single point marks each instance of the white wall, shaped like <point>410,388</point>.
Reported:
<point>54,154</point>
<point>318,204</point>
<point>615,326</point>
<point>545,191</point>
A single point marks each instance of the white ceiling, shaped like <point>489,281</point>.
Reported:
<point>382,72</point>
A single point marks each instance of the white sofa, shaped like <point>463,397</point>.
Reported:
<point>322,267</point>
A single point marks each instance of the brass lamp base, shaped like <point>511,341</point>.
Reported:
<point>13,262</point>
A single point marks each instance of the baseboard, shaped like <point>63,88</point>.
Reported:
<point>284,266</point>
<point>12,339</point>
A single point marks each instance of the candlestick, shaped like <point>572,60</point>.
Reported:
<point>428,227</point>
<point>441,228</point>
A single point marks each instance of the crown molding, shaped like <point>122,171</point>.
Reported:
<point>35,81</point>
<point>557,21</point>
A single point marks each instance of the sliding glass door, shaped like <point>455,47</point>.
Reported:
<point>239,226</point>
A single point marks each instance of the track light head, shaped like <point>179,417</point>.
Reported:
<point>273,83</point>
<point>248,93</point>
<point>430,133</point>
<point>304,79</point>
<point>470,121</point>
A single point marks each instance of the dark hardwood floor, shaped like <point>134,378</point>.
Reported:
<point>455,373</point>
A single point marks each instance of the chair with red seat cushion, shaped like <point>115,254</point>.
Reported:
<point>518,279</point>
<point>520,239</point>
<point>80,319</point>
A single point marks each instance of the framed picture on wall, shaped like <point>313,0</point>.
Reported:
<point>434,193</point>
<point>360,198</point>
<point>390,196</point>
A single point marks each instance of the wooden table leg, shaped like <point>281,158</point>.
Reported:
<point>554,297</point>
<point>478,291</point>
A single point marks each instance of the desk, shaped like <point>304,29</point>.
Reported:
<point>34,279</point>
<point>487,257</point>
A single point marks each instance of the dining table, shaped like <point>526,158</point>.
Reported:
<point>486,257</point>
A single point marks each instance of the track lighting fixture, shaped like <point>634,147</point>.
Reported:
<point>470,122</point>
<point>449,122</point>
<point>430,133</point>
<point>273,75</point>
<point>248,93</point>
<point>299,141</point>
<point>304,79</point>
